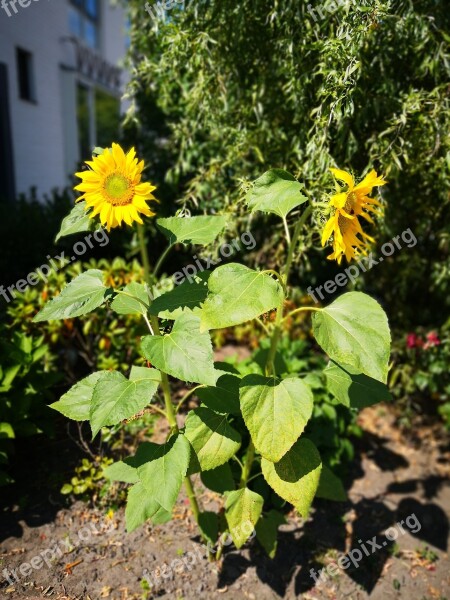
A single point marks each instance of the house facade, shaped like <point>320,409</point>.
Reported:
<point>61,85</point>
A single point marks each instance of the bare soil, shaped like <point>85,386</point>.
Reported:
<point>397,475</point>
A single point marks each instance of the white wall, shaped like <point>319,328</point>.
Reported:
<point>38,130</point>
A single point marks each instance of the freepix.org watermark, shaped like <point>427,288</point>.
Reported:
<point>246,241</point>
<point>50,555</point>
<point>330,7</point>
<point>10,8</point>
<point>199,553</point>
<point>54,265</point>
<point>366,548</point>
<point>159,8</point>
<point>365,264</point>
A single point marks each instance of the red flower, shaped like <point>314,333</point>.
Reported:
<point>411,340</point>
<point>432,340</point>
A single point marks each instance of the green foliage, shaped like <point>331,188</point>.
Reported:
<point>420,377</point>
<point>355,324</point>
<point>253,437</point>
<point>238,294</point>
<point>27,374</point>
<point>235,89</point>
<point>88,478</point>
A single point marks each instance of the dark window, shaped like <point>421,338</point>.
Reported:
<point>84,122</point>
<point>83,21</point>
<point>25,75</point>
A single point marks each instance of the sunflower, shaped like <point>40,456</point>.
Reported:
<point>348,237</point>
<point>112,188</point>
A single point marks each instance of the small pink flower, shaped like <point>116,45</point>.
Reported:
<point>432,340</point>
<point>411,340</point>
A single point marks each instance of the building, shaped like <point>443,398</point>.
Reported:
<point>60,88</point>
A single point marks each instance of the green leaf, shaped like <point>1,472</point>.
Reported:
<point>133,300</point>
<point>121,471</point>
<point>354,389</point>
<point>208,523</point>
<point>185,353</point>
<point>238,294</point>
<point>277,192</point>
<point>219,480</point>
<point>6,431</point>
<point>116,398</point>
<point>330,486</point>
<point>127,470</point>
<point>242,511</point>
<point>295,477</point>
<point>186,295</point>
<point>212,437</point>
<point>76,403</point>
<point>267,531</point>
<point>77,221</point>
<point>163,474</point>
<point>224,396</point>
<point>354,331</point>
<point>84,294</point>
<point>275,412</point>
<point>201,230</point>
<point>141,507</point>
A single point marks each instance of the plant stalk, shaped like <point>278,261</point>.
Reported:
<point>165,384</point>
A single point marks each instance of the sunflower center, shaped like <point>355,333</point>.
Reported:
<point>350,203</point>
<point>118,189</point>
<point>343,223</point>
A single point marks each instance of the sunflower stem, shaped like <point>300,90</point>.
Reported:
<point>165,384</point>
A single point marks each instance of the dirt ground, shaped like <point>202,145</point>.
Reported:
<point>400,478</point>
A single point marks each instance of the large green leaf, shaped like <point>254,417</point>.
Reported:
<point>267,531</point>
<point>354,331</point>
<point>185,353</point>
<point>127,470</point>
<point>201,230</point>
<point>76,403</point>
<point>208,523</point>
<point>354,389</point>
<point>224,396</point>
<point>238,294</point>
<point>77,221</point>
<point>132,300</point>
<point>212,437</point>
<point>242,511</point>
<point>141,507</point>
<point>330,486</point>
<point>163,474</point>
<point>295,477</point>
<point>116,398</point>
<point>219,480</point>
<point>84,294</point>
<point>186,295</point>
<point>275,412</point>
<point>277,192</point>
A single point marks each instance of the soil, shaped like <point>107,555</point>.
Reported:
<point>400,477</point>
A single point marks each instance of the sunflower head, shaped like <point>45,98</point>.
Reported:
<point>112,188</point>
<point>348,238</point>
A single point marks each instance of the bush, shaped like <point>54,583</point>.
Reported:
<point>243,87</point>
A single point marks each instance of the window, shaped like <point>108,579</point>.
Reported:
<point>83,21</point>
<point>98,118</point>
<point>25,75</point>
<point>84,122</point>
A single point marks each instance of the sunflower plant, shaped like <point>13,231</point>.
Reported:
<point>248,436</point>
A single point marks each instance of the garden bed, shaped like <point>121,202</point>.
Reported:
<point>400,474</point>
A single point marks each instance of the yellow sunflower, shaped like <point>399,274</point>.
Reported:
<point>112,188</point>
<point>347,206</point>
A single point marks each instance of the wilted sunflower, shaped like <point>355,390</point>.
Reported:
<point>112,188</point>
<point>347,206</point>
